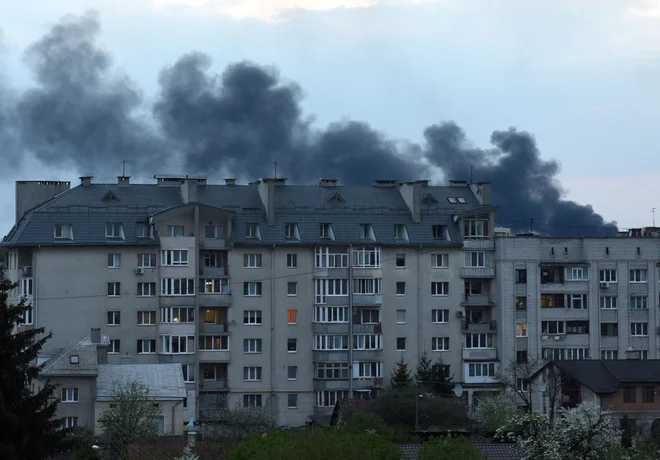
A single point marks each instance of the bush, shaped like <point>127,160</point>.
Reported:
<point>445,448</point>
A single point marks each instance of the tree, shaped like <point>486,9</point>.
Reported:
<point>240,421</point>
<point>433,378</point>
<point>28,430</point>
<point>443,448</point>
<point>493,411</point>
<point>423,375</point>
<point>400,376</point>
<point>626,433</point>
<point>129,420</point>
<point>516,373</point>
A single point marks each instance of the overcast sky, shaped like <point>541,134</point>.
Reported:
<point>582,76</point>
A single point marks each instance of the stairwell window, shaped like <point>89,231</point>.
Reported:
<point>252,288</point>
<point>638,276</point>
<point>114,230</point>
<point>291,316</point>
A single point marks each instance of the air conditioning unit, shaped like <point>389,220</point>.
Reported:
<point>139,271</point>
<point>604,285</point>
<point>557,338</point>
<point>460,314</point>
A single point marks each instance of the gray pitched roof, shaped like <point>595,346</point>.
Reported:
<point>494,451</point>
<point>165,381</point>
<point>86,210</point>
<point>87,366</point>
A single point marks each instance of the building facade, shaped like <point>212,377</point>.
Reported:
<point>267,294</point>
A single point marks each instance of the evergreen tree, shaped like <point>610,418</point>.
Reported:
<point>424,374</point>
<point>442,382</point>
<point>400,379</point>
<point>28,431</point>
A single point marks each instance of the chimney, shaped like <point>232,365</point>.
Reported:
<point>86,181</point>
<point>230,181</point>
<point>458,183</point>
<point>482,191</point>
<point>189,190</point>
<point>123,180</point>
<point>412,195</point>
<point>327,182</point>
<point>267,194</point>
<point>385,183</point>
<point>95,336</point>
<point>31,193</point>
<point>101,354</point>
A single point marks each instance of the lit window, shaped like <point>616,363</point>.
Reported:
<point>291,316</point>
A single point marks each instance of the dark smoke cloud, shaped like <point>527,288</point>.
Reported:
<point>86,113</point>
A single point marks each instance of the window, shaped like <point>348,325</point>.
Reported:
<point>209,373</point>
<point>638,276</point>
<point>70,422</point>
<point>368,370</point>
<point>143,230</point>
<point>323,258</point>
<point>367,342</point>
<point>521,303</point>
<point>553,327</point>
<point>213,286</point>
<point>25,287</point>
<point>367,257</point>
<point>481,369</point>
<point>440,343</point>
<point>63,232</point>
<point>291,260</point>
<point>577,301</point>
<point>177,344</point>
<point>629,394</point>
<point>522,385</point>
<point>214,343</point>
<point>177,315</point>
<point>439,260</point>
<point>330,342</point>
<point>114,230</point>
<point>439,316</point>
<point>188,373</point>
<point>252,401</point>
<point>400,344</point>
<point>366,231</point>
<point>521,330</point>
<point>212,231</point>
<point>330,314</point>
<point>252,231</point>
<point>175,231</point>
<point>648,394</point>
<point>146,260</point>
<point>439,288</point>
<point>609,329</point>
<point>252,260</point>
<point>69,395</point>
<point>477,259</point>
<point>27,316</point>
<point>146,289</point>
<point>401,316</point>
<point>367,286</point>
<point>400,261</point>
<point>174,258</point>
<point>291,316</point>
<point>639,302</point>
<point>252,317</point>
<point>146,346</point>
<point>521,276</point>
<point>325,231</point>
<point>607,276</point>
<point>370,316</point>
<point>114,260</point>
<point>521,356</point>
<point>146,318</point>
<point>643,354</point>
<point>177,286</point>
<point>251,345</point>
<point>252,373</point>
<point>637,329</point>
<point>291,288</point>
<point>577,273</point>
<point>329,288</point>
<point>292,400</point>
<point>114,318</point>
<point>291,231</point>
<point>400,288</point>
<point>114,289</point>
<point>214,259</point>
<point>609,354</point>
<point>478,340</point>
<point>292,345</point>
<point>400,232</point>
<point>331,371</point>
<point>252,288</point>
<point>114,347</point>
<point>329,398</point>
<point>608,302</point>
<point>577,327</point>
<point>438,232</point>
<point>476,228</point>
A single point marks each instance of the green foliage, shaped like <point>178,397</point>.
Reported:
<point>449,448</point>
<point>318,444</point>
<point>493,411</point>
<point>401,378</point>
<point>433,378</point>
<point>639,451</point>
<point>129,419</point>
<point>397,409</point>
<point>28,431</point>
<point>626,434</point>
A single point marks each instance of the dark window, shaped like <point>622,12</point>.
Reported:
<point>521,356</point>
<point>521,303</point>
<point>629,395</point>
<point>401,344</point>
<point>577,327</point>
<point>609,329</point>
<point>521,276</point>
<point>648,394</point>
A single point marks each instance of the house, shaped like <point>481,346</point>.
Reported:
<point>165,384</point>
<point>622,387</point>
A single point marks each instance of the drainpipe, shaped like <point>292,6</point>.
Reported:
<point>35,289</point>
<point>272,330</point>
<point>419,306</point>
<point>350,321</point>
<point>197,312</point>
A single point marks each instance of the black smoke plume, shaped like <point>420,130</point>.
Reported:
<point>85,113</point>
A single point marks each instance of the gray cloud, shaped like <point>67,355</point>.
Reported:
<point>85,113</point>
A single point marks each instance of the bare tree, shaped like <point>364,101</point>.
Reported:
<point>516,378</point>
<point>555,379</point>
<point>240,421</point>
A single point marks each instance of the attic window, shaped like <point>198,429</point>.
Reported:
<point>110,197</point>
<point>74,359</point>
<point>452,200</point>
<point>461,200</point>
<point>429,199</point>
<point>336,198</point>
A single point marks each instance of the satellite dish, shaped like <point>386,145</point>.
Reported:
<point>542,388</point>
<point>458,390</point>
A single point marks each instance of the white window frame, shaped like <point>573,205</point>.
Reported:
<point>401,316</point>
<point>146,289</point>
<point>333,314</point>
<point>212,286</point>
<point>252,260</point>
<point>439,288</point>
<point>367,316</point>
<point>252,230</point>
<point>69,422</point>
<point>292,260</point>
<point>63,232</point>
<point>114,260</point>
<point>113,318</point>
<point>146,318</point>
<point>439,260</point>
<point>367,341</point>
<point>174,258</point>
<point>147,346</point>
<point>547,327</point>
<point>177,287</point>
<point>188,373</point>
<point>252,373</point>
<point>330,342</point>
<point>477,259</point>
<point>146,260</point>
<point>440,316</point>
<point>177,315</point>
<point>325,231</point>
<point>252,346</point>
<point>367,257</point>
<point>291,288</point>
<point>331,371</point>
<point>367,286</point>
<point>168,342</point>
<point>368,370</point>
<point>608,302</point>
<point>609,354</point>
<point>27,316</point>
<point>329,398</point>
<point>323,258</point>
<point>521,330</point>
<point>25,287</point>
<point>439,343</point>
<point>252,400</point>
<point>367,231</point>
<point>608,276</point>
<point>577,299</point>
<point>291,231</point>
<point>401,292</point>
<point>252,289</point>
<point>479,341</point>
<point>333,287</point>
<point>400,232</point>
<point>70,395</point>
<point>114,348</point>
<point>576,273</point>
<point>639,302</point>
<point>116,289</point>
<point>639,275</point>
<point>475,228</point>
<point>114,230</point>
<point>252,318</point>
<point>639,329</point>
<point>481,369</point>
<point>214,343</point>
<point>176,231</point>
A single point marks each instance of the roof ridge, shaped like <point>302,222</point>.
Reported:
<point>57,358</point>
<point>607,367</point>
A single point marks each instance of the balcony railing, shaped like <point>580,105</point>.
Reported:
<point>477,300</point>
<point>480,326</point>
<point>217,384</point>
<point>478,272</point>
<point>214,328</point>
<point>479,353</point>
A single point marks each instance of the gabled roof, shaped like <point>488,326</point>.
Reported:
<point>605,376</point>
<point>335,198</point>
<point>109,196</point>
<point>60,364</point>
<point>165,381</point>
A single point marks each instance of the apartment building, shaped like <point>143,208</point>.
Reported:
<point>267,294</point>
<point>578,298</point>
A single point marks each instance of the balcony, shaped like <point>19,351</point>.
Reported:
<point>25,272</point>
<point>375,328</point>
<point>213,243</point>
<point>482,244</point>
<point>479,354</point>
<point>481,326</point>
<point>367,300</point>
<point>366,383</point>
<point>208,356</point>
<point>477,301</point>
<point>330,328</point>
<point>213,272</point>
<point>214,328</point>
<point>330,384</point>
<point>213,385</point>
<point>478,272</point>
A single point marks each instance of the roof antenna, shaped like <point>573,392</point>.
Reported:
<point>470,174</point>
<point>653,214</point>
<point>275,164</point>
<point>123,170</point>
<point>531,225</point>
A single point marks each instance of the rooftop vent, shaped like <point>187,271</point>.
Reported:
<point>457,183</point>
<point>230,181</point>
<point>327,182</point>
<point>275,180</point>
<point>123,180</point>
<point>172,179</point>
<point>86,180</point>
<point>385,183</point>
